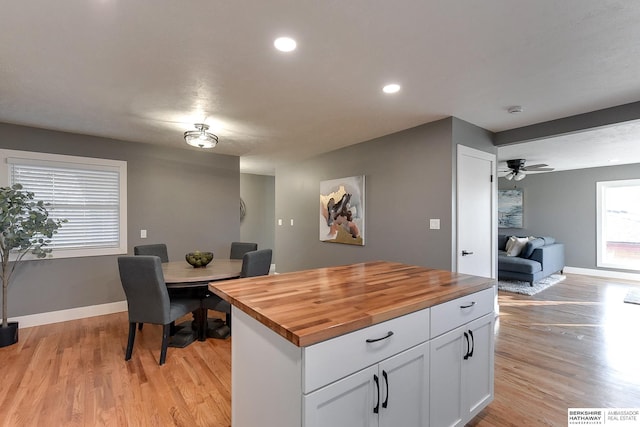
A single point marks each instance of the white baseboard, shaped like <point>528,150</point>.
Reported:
<point>602,273</point>
<point>69,314</point>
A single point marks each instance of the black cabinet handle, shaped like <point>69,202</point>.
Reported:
<point>465,253</point>
<point>386,381</point>
<point>375,408</point>
<point>468,305</point>
<point>370,340</point>
<point>466,337</point>
<point>473,343</point>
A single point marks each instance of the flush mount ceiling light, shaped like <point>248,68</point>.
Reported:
<point>391,88</point>
<point>285,44</point>
<point>201,138</point>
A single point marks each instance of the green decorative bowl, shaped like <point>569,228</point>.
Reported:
<point>199,259</point>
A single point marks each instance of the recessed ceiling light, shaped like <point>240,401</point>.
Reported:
<point>285,44</point>
<point>391,88</point>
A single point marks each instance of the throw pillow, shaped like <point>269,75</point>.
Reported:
<point>515,245</point>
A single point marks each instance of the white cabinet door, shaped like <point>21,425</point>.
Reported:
<point>349,402</point>
<point>391,394</point>
<point>478,367</point>
<point>445,389</point>
<point>404,389</point>
<point>461,372</point>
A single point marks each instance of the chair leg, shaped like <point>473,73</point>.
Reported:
<point>172,328</point>
<point>165,343</point>
<point>132,337</point>
<point>140,326</point>
<point>228,320</point>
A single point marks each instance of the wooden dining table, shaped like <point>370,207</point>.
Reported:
<point>181,275</point>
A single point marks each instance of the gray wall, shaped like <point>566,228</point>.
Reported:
<point>563,205</point>
<point>409,178</point>
<point>258,225</point>
<point>185,198</point>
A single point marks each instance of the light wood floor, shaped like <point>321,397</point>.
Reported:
<point>574,345</point>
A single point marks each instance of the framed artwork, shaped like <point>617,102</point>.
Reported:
<point>342,210</point>
<point>510,208</point>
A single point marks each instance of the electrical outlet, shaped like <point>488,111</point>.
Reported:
<point>143,234</point>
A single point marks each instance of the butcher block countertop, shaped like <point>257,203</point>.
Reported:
<point>307,307</point>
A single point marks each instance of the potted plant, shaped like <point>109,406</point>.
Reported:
<point>25,227</point>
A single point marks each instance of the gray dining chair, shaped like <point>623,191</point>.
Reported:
<point>254,263</point>
<point>238,249</point>
<point>148,300</point>
<point>158,249</point>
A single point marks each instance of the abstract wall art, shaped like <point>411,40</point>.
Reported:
<point>342,210</point>
<point>510,208</point>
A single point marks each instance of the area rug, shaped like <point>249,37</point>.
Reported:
<point>522,287</point>
<point>633,296</point>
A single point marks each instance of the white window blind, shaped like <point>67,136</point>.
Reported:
<point>90,195</point>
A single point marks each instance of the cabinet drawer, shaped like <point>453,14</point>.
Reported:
<point>330,360</point>
<point>451,314</point>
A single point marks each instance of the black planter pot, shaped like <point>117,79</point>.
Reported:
<point>8,335</point>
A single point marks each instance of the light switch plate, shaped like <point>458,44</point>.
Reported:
<point>143,234</point>
<point>434,224</point>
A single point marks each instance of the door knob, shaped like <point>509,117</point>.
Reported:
<point>465,253</point>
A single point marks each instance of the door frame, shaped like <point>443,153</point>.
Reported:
<point>463,150</point>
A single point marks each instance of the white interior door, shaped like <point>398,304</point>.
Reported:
<point>476,212</point>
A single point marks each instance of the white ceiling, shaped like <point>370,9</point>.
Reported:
<point>147,70</point>
<point>605,146</point>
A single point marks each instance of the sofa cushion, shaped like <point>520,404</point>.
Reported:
<point>531,245</point>
<point>519,265</point>
<point>502,241</point>
<point>515,245</point>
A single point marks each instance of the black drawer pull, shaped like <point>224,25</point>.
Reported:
<point>370,340</point>
<point>468,305</point>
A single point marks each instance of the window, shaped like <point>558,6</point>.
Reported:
<point>619,224</point>
<point>90,193</point>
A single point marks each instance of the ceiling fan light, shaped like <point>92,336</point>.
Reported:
<point>519,176</point>
<point>201,138</point>
<point>509,176</point>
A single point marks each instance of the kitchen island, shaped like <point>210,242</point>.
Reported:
<point>377,343</point>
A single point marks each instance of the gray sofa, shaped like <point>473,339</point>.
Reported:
<point>539,258</point>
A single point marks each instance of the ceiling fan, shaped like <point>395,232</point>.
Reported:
<point>517,169</point>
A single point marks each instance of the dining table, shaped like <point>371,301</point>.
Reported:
<point>180,275</point>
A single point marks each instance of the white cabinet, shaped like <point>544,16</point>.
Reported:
<point>390,394</point>
<point>477,376</point>
<point>411,368</point>
<point>462,361</point>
